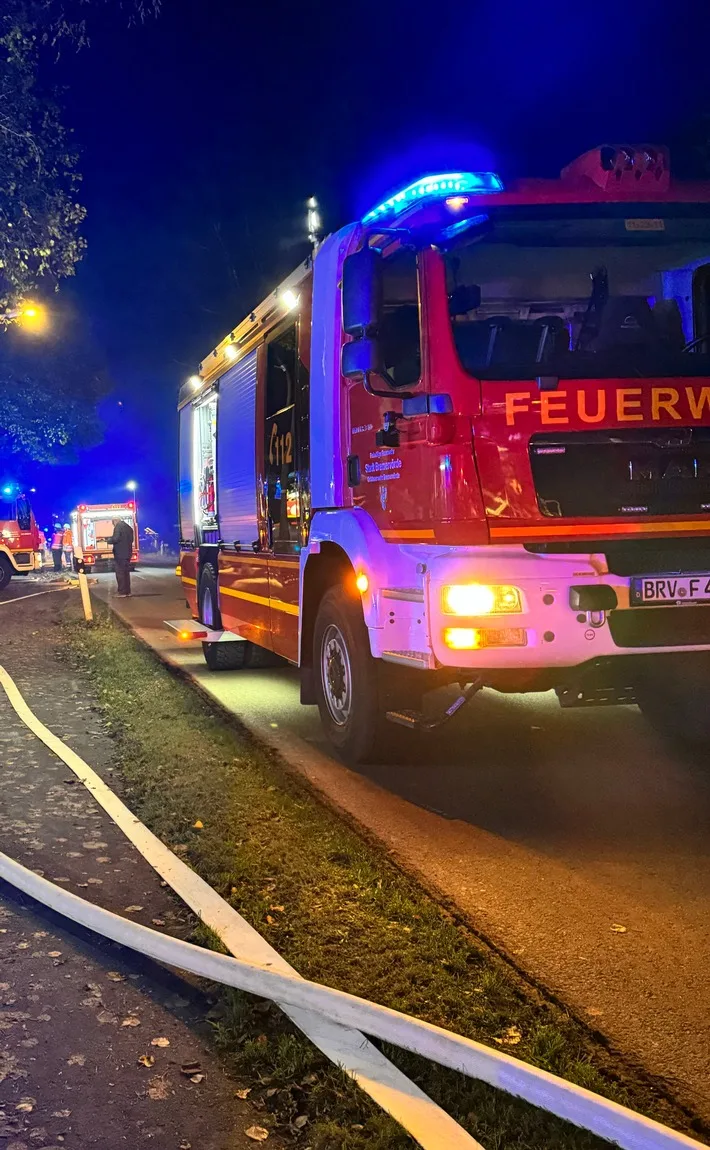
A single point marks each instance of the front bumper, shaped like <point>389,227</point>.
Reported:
<point>556,635</point>
<point>22,560</point>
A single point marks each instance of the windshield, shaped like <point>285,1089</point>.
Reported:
<point>573,293</point>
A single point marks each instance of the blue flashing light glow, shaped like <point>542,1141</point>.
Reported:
<point>462,226</point>
<point>7,490</point>
<point>431,187</point>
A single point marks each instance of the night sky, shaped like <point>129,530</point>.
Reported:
<point>204,132</point>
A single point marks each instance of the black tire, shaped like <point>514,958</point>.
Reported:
<point>6,571</point>
<point>227,656</point>
<point>346,678</point>
<point>257,657</point>
<point>208,599</point>
<point>674,695</point>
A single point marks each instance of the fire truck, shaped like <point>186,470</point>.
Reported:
<point>19,535</point>
<point>468,443</point>
<point>92,526</point>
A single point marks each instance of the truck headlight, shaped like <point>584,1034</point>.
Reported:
<point>480,599</point>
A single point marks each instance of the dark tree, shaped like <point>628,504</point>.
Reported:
<point>48,400</point>
<point>40,212</point>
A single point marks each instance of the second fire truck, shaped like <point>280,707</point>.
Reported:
<point>92,526</point>
<point>468,443</point>
<point>19,535</point>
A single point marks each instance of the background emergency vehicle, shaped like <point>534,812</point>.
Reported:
<point>469,442</point>
<point>92,525</point>
<point>19,535</point>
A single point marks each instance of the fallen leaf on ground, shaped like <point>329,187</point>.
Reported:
<point>61,1113</point>
<point>158,921</point>
<point>159,1088</point>
<point>270,1093</point>
<point>198,825</point>
<point>270,919</point>
<point>160,1042</point>
<point>54,953</point>
<point>76,1060</point>
<point>189,1068</point>
<point>131,1021</point>
<point>618,928</point>
<point>257,1133</point>
<point>132,909</point>
<point>301,1121</point>
<point>26,1106</point>
<point>197,1078</point>
<point>510,1037</point>
<point>115,976</point>
<point>279,908</point>
<point>242,1093</point>
<point>146,1060</point>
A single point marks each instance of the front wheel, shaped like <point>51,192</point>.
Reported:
<point>5,571</point>
<point>346,677</point>
<point>674,695</point>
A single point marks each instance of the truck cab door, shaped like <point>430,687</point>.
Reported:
<point>285,487</point>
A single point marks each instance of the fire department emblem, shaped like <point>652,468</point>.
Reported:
<point>383,496</point>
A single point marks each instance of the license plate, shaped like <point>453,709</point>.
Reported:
<point>669,589</point>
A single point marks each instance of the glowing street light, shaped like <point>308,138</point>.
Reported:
<point>32,317</point>
<point>131,485</point>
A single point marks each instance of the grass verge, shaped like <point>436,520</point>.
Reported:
<point>340,912</point>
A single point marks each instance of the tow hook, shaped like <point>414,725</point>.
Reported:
<point>415,720</point>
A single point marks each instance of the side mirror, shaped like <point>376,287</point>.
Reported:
<point>362,292</point>
<point>361,356</point>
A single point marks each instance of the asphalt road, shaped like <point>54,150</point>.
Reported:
<point>549,830</point>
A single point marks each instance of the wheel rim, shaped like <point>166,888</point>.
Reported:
<point>336,676</point>
<point>207,608</point>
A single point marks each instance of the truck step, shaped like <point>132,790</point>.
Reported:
<point>417,721</point>
<point>189,629</point>
<point>580,696</point>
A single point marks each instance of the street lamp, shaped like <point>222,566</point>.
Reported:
<point>31,316</point>
<point>131,485</point>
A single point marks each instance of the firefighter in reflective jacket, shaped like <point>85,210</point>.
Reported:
<point>122,543</point>
<point>57,545</point>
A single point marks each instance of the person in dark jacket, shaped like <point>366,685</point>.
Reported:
<point>122,542</point>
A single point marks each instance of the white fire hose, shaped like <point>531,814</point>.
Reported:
<point>306,1003</point>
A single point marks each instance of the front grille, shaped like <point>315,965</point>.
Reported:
<point>638,556</point>
<point>660,626</point>
<point>592,474</point>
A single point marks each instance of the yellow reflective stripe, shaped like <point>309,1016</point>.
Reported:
<point>245,595</point>
<point>192,582</point>
<point>289,608</point>
<point>406,534</point>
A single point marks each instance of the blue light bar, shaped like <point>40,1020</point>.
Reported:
<point>431,187</point>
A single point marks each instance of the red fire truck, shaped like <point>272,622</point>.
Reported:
<point>92,526</point>
<point>469,442</point>
<point>19,535</point>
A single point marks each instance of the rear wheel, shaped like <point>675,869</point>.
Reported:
<point>6,571</point>
<point>346,677</point>
<point>230,654</point>
<point>673,693</point>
